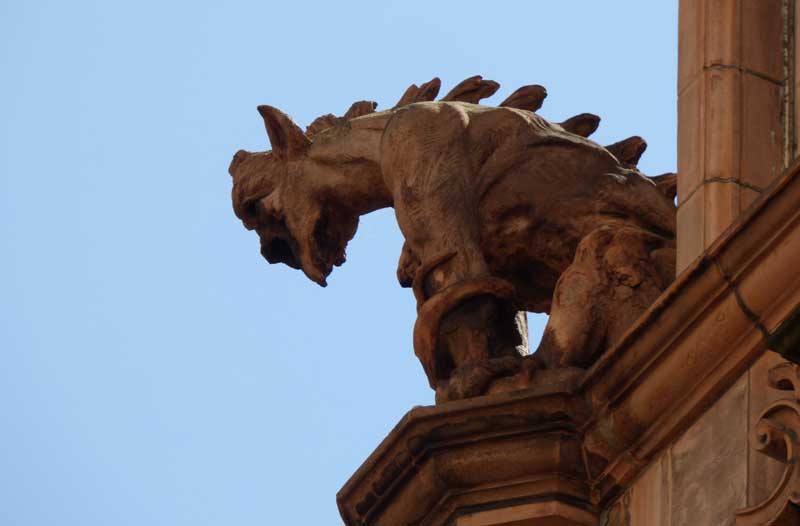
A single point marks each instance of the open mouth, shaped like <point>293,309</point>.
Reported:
<point>278,250</point>
<point>321,251</point>
<point>330,243</point>
<point>315,251</point>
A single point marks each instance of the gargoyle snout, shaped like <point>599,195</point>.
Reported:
<point>238,158</point>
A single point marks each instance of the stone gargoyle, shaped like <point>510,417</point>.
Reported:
<point>502,212</point>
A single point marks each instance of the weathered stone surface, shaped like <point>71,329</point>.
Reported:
<point>709,464</point>
<point>764,472</point>
<point>775,435</point>
<point>503,457</point>
<point>649,496</point>
<point>696,339</point>
<point>700,478</point>
<point>502,212</point>
<point>734,132</point>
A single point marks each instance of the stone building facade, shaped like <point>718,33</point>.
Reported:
<point>693,418</point>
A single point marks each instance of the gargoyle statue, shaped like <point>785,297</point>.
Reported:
<point>502,212</point>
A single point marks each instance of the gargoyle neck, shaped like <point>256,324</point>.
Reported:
<point>360,185</point>
<point>352,152</point>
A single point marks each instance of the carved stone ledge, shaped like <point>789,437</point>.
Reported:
<point>776,435</point>
<point>507,458</point>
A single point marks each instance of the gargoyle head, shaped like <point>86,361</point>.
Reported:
<point>286,197</point>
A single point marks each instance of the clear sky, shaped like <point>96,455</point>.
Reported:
<point>155,370</point>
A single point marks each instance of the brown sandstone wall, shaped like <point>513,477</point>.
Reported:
<point>711,470</point>
<point>736,133</point>
<point>735,111</point>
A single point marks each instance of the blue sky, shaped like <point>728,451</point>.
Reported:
<point>155,369</point>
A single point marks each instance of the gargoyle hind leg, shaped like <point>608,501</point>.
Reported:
<point>616,275</point>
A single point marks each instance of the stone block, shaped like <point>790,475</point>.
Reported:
<point>722,126</point>
<point>708,464</point>
<point>720,34</point>
<point>690,228</point>
<point>762,141</point>
<point>649,496</point>
<point>691,140</point>
<point>721,208</point>
<point>761,37</point>
<point>690,39</point>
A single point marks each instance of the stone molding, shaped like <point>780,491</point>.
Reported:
<point>496,459</point>
<point>776,435</point>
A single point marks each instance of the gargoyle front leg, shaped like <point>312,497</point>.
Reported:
<point>466,317</point>
<point>467,333</point>
<point>472,371</point>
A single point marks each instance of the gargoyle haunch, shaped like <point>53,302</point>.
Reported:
<point>502,212</point>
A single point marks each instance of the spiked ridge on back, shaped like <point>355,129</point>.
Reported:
<point>473,90</point>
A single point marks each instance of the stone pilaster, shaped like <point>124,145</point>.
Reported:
<point>734,67</point>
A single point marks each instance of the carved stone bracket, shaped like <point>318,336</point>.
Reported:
<point>776,435</point>
<point>506,459</point>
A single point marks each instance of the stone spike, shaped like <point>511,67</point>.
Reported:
<point>423,93</point>
<point>667,183</point>
<point>584,124</point>
<point>322,122</point>
<point>528,98</point>
<point>472,90</point>
<point>359,108</point>
<point>628,151</point>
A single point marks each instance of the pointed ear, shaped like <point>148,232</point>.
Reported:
<point>584,124</point>
<point>628,151</point>
<point>667,183</point>
<point>287,139</point>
